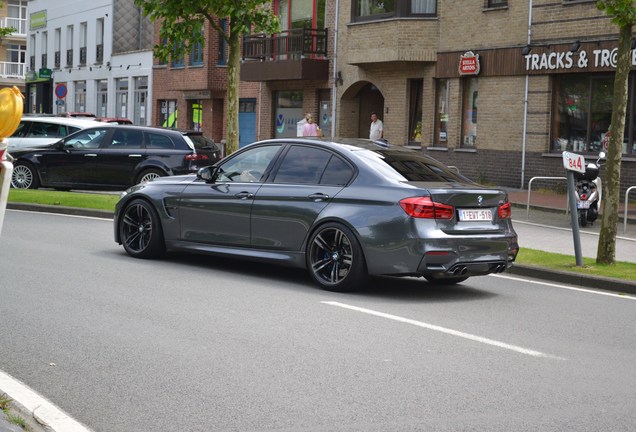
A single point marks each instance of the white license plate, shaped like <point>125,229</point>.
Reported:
<point>475,215</point>
<point>583,205</point>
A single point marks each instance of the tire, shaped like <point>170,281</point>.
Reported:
<point>149,174</point>
<point>583,218</point>
<point>140,230</point>
<point>24,176</point>
<point>335,260</point>
<point>445,281</point>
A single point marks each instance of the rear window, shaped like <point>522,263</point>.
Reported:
<point>202,142</point>
<point>410,166</point>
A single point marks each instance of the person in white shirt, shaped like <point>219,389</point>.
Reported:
<point>376,132</point>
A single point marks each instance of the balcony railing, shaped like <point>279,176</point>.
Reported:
<point>58,62</point>
<point>291,44</point>
<point>12,70</point>
<point>17,23</point>
<point>82,60</point>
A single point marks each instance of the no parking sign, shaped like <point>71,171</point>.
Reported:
<point>61,90</point>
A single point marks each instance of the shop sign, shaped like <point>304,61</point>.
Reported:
<point>37,20</point>
<point>45,73</point>
<point>566,60</point>
<point>469,64</point>
<point>574,162</point>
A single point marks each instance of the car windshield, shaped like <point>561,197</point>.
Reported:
<point>409,166</point>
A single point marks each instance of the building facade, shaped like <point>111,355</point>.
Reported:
<point>89,57</point>
<point>13,14</point>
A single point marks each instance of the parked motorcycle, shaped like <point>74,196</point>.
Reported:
<point>589,192</point>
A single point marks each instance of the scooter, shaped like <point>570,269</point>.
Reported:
<point>589,192</point>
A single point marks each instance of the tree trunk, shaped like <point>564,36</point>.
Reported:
<point>233,71</point>
<point>606,253</point>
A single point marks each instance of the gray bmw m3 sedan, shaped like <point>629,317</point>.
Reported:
<point>343,210</point>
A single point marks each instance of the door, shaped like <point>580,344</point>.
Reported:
<point>286,207</point>
<point>119,157</point>
<point>247,122</point>
<point>219,213</point>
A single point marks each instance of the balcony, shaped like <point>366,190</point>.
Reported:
<point>19,24</point>
<point>12,70</point>
<point>298,54</point>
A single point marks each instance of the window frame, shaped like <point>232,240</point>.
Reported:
<point>402,9</point>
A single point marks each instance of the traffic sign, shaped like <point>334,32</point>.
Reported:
<point>574,162</point>
<point>60,90</point>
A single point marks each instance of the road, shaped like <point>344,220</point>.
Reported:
<point>205,344</point>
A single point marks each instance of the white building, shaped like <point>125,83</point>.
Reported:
<point>89,57</point>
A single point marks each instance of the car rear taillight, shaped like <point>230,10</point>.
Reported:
<point>196,157</point>
<point>424,207</point>
<point>504,211</point>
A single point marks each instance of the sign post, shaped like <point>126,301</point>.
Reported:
<point>574,163</point>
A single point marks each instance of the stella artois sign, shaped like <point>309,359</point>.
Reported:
<point>469,64</point>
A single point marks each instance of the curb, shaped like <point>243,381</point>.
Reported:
<point>104,214</point>
<point>581,280</point>
<point>584,281</point>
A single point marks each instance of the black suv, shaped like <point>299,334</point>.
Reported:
<point>110,156</point>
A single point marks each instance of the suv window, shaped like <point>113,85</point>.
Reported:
<point>158,141</point>
<point>129,139</point>
<point>90,139</point>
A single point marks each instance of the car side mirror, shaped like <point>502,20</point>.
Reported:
<point>208,174</point>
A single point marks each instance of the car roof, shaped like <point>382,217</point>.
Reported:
<point>71,121</point>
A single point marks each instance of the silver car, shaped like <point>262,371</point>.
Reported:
<point>344,210</point>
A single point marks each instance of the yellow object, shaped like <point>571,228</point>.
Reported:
<point>11,106</point>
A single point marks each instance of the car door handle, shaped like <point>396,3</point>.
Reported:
<point>244,195</point>
<point>317,197</point>
<point>134,155</point>
<point>90,155</point>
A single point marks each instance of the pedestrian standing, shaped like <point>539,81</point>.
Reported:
<point>376,131</point>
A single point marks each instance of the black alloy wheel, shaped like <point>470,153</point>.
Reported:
<point>335,260</point>
<point>140,230</point>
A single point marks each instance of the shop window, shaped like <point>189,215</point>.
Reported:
<point>80,96</point>
<point>469,112</point>
<point>496,3</point>
<point>441,109</point>
<point>288,112</point>
<point>168,113</point>
<point>583,112</point>
<point>102,98</point>
<point>415,111</point>
<point>121,97</point>
<point>196,114</point>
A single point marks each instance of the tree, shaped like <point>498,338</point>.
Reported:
<point>182,28</point>
<point>623,15</point>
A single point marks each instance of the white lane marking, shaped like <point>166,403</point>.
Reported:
<point>445,330</point>
<point>585,290</point>
<point>44,411</point>
<point>582,231</point>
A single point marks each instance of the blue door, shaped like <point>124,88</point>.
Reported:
<point>247,121</point>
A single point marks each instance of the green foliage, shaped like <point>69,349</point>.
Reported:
<point>622,12</point>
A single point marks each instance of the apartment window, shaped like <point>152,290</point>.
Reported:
<point>82,43</point>
<point>99,41</point>
<point>178,62</point>
<point>469,112</point>
<point>44,49</point>
<point>121,97</point>
<point>196,55</point>
<point>80,96</point>
<point>58,38</point>
<point>32,52</point>
<point>141,100</point>
<point>496,3</point>
<point>415,110</point>
<point>442,94</point>
<point>221,59</point>
<point>69,46</point>
<point>16,58</point>
<point>380,9</point>
<point>101,87</point>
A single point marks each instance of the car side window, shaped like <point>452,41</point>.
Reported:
<point>303,165</point>
<point>127,139</point>
<point>22,127</point>
<point>158,141</point>
<point>338,172</point>
<point>89,139</point>
<point>248,166</point>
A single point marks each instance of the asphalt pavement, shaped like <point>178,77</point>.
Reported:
<point>542,222</point>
